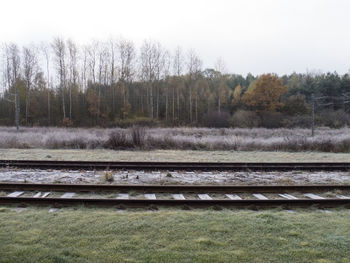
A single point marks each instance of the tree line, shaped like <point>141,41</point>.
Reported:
<point>113,83</point>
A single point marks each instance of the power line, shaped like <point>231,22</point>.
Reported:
<point>345,99</point>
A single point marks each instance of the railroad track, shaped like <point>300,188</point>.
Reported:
<point>86,165</point>
<point>175,195</point>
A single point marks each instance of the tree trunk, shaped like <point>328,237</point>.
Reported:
<point>113,99</point>
<point>70,102</point>
<point>196,107</point>
<point>166,103</point>
<point>178,103</point>
<point>124,94</point>
<point>157,90</point>
<point>151,101</point>
<point>63,105</point>
<point>48,108</point>
<point>98,104</point>
<point>17,107</point>
<point>27,102</point>
<point>190,104</point>
<point>173,104</point>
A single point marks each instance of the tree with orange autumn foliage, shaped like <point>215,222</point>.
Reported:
<point>264,94</point>
<point>237,93</point>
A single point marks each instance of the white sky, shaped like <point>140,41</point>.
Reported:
<point>256,36</point>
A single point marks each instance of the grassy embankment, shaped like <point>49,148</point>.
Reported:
<point>105,235</point>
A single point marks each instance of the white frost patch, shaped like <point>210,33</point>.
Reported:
<point>122,196</point>
<point>204,197</point>
<point>288,196</point>
<point>179,197</point>
<point>233,197</point>
<point>37,195</point>
<point>313,196</point>
<point>175,177</point>
<point>260,196</point>
<point>67,195</point>
<point>15,194</point>
<point>343,197</point>
<point>150,196</point>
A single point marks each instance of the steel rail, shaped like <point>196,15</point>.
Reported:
<point>327,202</point>
<point>309,166</point>
<point>170,202</point>
<point>170,188</point>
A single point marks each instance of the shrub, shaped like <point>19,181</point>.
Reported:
<point>108,176</point>
<point>140,121</point>
<point>271,119</point>
<point>67,122</point>
<point>333,119</point>
<point>216,119</point>
<point>118,140</point>
<point>301,121</point>
<point>296,105</point>
<point>162,143</point>
<point>256,139</point>
<point>245,119</point>
<point>138,135</point>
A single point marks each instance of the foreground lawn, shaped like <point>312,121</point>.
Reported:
<point>172,155</point>
<point>108,235</point>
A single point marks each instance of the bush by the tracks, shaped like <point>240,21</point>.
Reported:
<point>138,135</point>
<point>257,139</point>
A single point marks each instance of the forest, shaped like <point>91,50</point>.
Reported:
<point>114,84</point>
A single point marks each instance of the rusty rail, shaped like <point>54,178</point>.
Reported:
<point>86,165</point>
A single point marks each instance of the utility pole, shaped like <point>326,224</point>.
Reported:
<point>313,115</point>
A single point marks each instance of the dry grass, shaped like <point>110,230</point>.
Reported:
<point>108,177</point>
<point>257,139</point>
<point>171,155</point>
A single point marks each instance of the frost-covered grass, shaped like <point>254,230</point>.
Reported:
<point>169,235</point>
<point>169,155</point>
<point>257,139</point>
<point>175,177</point>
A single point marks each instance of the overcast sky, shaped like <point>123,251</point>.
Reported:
<point>256,36</point>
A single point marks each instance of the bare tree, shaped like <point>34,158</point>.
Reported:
<point>178,68</point>
<point>166,63</point>
<point>103,57</point>
<point>15,63</point>
<point>103,63</point>
<point>84,68</point>
<point>150,68</point>
<point>92,51</point>
<point>112,50</point>
<point>46,52</point>
<point>126,60</point>
<point>30,68</point>
<point>220,66</point>
<point>12,64</point>
<point>159,53</point>
<point>11,75</point>
<point>73,71</point>
<point>194,67</point>
<point>220,69</point>
<point>59,50</point>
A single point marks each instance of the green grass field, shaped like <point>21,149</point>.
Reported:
<point>108,235</point>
